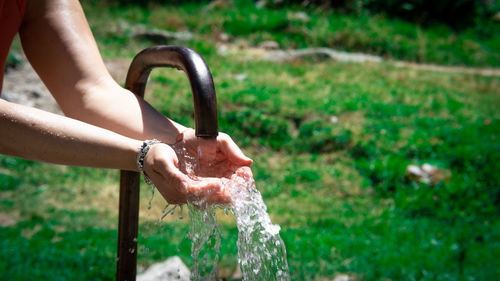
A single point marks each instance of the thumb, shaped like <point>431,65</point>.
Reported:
<point>233,152</point>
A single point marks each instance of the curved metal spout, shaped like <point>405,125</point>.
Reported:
<point>200,78</point>
<point>206,125</point>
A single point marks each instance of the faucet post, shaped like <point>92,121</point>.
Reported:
<point>206,125</point>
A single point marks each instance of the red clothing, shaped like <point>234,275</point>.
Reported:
<point>11,17</point>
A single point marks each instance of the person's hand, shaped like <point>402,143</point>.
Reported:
<point>162,166</point>
<point>218,157</point>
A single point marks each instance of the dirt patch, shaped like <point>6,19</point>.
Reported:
<point>449,69</point>
<point>118,69</point>
<point>22,85</point>
<point>324,54</point>
<point>7,219</point>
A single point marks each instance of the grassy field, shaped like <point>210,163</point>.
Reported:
<point>374,34</point>
<point>337,189</point>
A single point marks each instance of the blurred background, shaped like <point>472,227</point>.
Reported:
<point>373,125</point>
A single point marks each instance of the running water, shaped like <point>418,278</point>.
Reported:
<point>261,251</point>
<point>205,243</point>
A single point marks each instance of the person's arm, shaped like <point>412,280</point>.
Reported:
<point>38,135</point>
<point>42,136</point>
<point>60,46</point>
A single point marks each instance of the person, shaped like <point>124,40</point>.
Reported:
<point>104,124</point>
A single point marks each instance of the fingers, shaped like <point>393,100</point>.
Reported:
<point>208,191</point>
<point>177,187</point>
<point>232,151</point>
<point>209,149</point>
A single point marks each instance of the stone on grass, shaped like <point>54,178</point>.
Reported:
<point>240,76</point>
<point>426,173</point>
<point>269,45</point>
<point>173,269</point>
<point>342,277</point>
<point>158,36</point>
<point>224,37</point>
<point>320,54</point>
<point>298,16</point>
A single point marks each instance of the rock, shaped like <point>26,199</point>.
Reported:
<point>269,45</point>
<point>298,16</point>
<point>414,172</point>
<point>426,174</point>
<point>319,54</point>
<point>223,49</point>
<point>334,119</point>
<point>342,277</point>
<point>169,270</point>
<point>429,169</point>
<point>224,37</point>
<point>266,51</point>
<point>240,76</point>
<point>158,36</point>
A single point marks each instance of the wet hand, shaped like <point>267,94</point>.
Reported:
<point>210,157</point>
<point>162,166</point>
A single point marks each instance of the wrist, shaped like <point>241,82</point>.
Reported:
<point>141,155</point>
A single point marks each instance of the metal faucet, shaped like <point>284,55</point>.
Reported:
<point>206,126</point>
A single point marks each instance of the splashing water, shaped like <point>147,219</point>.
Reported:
<point>261,251</point>
<point>205,243</point>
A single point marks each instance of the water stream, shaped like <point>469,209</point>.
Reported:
<point>261,251</point>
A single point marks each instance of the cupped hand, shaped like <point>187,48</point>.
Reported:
<point>162,166</point>
<point>210,157</point>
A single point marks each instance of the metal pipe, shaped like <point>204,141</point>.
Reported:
<point>206,125</point>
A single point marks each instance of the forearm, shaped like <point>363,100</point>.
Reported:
<point>59,44</point>
<point>38,135</point>
<point>119,110</point>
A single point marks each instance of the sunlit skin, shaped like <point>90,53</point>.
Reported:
<point>219,157</point>
<point>104,123</point>
<point>204,183</point>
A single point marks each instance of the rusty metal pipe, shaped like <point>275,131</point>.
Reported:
<point>206,125</point>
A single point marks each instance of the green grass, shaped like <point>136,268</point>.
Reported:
<point>374,34</point>
<point>337,189</point>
